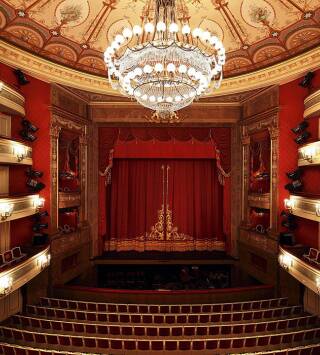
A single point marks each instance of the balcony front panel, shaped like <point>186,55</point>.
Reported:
<point>17,207</point>
<point>11,101</point>
<point>259,200</point>
<point>312,105</point>
<point>305,207</point>
<point>12,152</point>
<point>67,200</point>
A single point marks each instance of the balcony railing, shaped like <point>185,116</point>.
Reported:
<point>12,152</point>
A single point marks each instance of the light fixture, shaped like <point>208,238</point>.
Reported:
<point>318,209</point>
<point>309,153</point>
<point>162,64</point>
<point>285,261</point>
<point>318,284</point>
<point>288,204</point>
<point>44,261</point>
<point>6,210</point>
<point>20,152</point>
<point>38,202</point>
<point>1,85</point>
<point>5,285</point>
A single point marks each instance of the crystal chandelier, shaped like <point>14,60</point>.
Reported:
<point>163,63</point>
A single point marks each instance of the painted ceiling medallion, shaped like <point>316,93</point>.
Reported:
<point>251,30</point>
<point>164,64</point>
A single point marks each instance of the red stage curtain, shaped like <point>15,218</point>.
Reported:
<point>191,197</point>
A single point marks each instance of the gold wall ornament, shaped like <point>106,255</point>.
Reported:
<point>164,117</point>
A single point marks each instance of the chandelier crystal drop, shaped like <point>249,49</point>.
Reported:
<point>164,64</point>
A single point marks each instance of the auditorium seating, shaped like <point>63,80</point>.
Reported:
<point>11,257</point>
<point>105,328</point>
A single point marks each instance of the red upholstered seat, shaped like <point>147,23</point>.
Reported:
<point>158,319</point>
<point>103,343</point>
<point>206,308</point>
<point>275,339</point>
<point>201,331</point>
<point>170,319</point>
<point>79,328</point>
<point>89,342</point>
<point>56,326</point>
<point>238,343</point>
<point>184,345</point>
<point>185,309</point>
<point>302,322</point>
<point>298,337</point>
<point>64,340</point>
<point>115,344</point>
<point>189,331</point>
<point>77,341</point>
<point>195,309</point>
<point>309,334</point>
<point>198,345</point>
<point>136,318</point>
<point>60,313</point>
<point>164,331</point>
<point>267,314</point>
<point>143,309</point>
<point>103,329</point>
<point>236,317</point>
<point>265,304</point>
<point>91,307</point>
<point>226,330</point>
<point>211,344</point>
<point>171,345</point>
<point>272,326</point>
<point>132,308</point>
<point>246,306</point>
<point>67,327</point>
<point>164,309</point>
<point>277,312</point>
<point>175,309</point>
<point>16,334</point>
<point>103,317</point>
<point>292,323</point>
<point>177,331</point>
<point>112,308</point>
<point>122,308</point>
<point>54,303</point>
<point>127,330</point>
<point>287,339</point>
<point>72,314</point>
<point>21,351</point>
<point>214,330</point>
<point>282,324</point>
<point>143,345</point>
<point>8,350</point>
<point>226,307</point>
<point>139,331</point>
<point>250,342</point>
<point>182,319</point>
<point>50,313</point>
<point>225,344</point>
<point>35,323</point>
<point>82,306</point>
<point>63,304</point>
<point>154,309</point>
<point>258,315</point>
<point>157,345</point>
<point>129,344</point>
<point>92,317</point>
<point>263,341</point>
<point>236,307</point>
<point>261,327</point>
<point>152,331</point>
<point>216,308</point>
<point>26,321</point>
<point>72,305</point>
<point>287,311</point>
<point>283,302</point>
<point>113,318</point>
<point>146,318</point>
<point>238,329</point>
<point>255,305</point>
<point>204,318</point>
<point>28,337</point>
<point>45,324</point>
<point>52,339</point>
<point>114,330</point>
<point>227,317</point>
<point>90,329</point>
<point>15,319</point>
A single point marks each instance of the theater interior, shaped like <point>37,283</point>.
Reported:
<point>159,177</point>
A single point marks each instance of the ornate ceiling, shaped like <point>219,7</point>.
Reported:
<point>256,33</point>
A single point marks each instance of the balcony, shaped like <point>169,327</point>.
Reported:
<point>18,275</point>
<point>12,152</point>
<point>312,105</point>
<point>11,101</point>
<point>69,199</point>
<point>309,154</point>
<point>304,206</point>
<point>259,200</point>
<point>18,207</point>
<point>302,271</point>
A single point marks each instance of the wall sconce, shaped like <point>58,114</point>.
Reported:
<point>38,203</point>
<point>20,152</point>
<point>285,261</point>
<point>44,261</point>
<point>1,85</point>
<point>6,210</point>
<point>5,285</point>
<point>309,153</point>
<point>288,204</point>
<point>318,209</point>
<point>318,284</point>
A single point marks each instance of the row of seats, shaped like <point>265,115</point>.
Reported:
<point>156,331</point>
<point>313,256</point>
<point>11,257</point>
<point>14,349</point>
<point>174,308</point>
<point>162,319</point>
<point>266,341</point>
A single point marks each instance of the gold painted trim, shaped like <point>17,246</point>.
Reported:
<point>11,101</point>
<point>128,104</point>
<point>22,206</point>
<point>10,155</point>
<point>312,105</point>
<point>26,270</point>
<point>305,207</point>
<point>69,199</point>
<point>302,271</point>
<point>46,70</point>
<point>309,154</point>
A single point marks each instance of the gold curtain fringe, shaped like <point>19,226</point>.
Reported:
<point>108,169</point>
<point>142,244</point>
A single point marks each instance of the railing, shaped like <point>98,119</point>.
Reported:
<point>11,101</point>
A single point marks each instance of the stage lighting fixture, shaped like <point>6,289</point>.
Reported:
<point>27,136</point>
<point>295,175</point>
<point>289,224</point>
<point>22,80</point>
<point>289,216</point>
<point>307,80</point>
<point>40,215</point>
<point>34,173</point>
<point>39,226</point>
<point>40,239</point>
<point>29,126</point>
<point>287,238</point>
<point>294,186</point>
<point>302,138</point>
<point>301,127</point>
<point>35,185</point>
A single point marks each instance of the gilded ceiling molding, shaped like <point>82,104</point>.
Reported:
<point>51,72</point>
